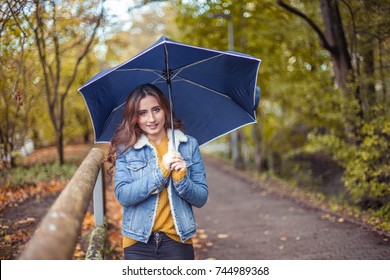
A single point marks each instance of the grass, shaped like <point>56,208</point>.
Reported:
<point>43,165</point>
<point>32,175</point>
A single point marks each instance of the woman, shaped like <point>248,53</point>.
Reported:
<point>157,184</point>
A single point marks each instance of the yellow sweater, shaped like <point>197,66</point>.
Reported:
<point>164,219</point>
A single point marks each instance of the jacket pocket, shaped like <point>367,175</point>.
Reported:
<point>136,168</point>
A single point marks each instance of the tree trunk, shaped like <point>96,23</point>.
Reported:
<point>241,142</point>
<point>336,38</point>
<point>56,87</point>
<point>334,41</point>
<point>60,146</point>
<point>369,70</point>
<point>86,137</point>
<point>342,64</point>
<point>257,156</point>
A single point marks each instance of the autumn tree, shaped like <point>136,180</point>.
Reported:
<point>16,83</point>
<point>64,33</point>
<point>359,71</point>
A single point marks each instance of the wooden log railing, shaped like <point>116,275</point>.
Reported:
<point>58,233</point>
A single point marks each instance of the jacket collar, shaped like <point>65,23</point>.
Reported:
<point>179,137</point>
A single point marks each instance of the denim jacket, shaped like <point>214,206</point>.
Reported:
<point>138,180</point>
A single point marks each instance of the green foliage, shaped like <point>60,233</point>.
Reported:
<point>366,160</point>
<point>31,175</point>
<point>367,172</point>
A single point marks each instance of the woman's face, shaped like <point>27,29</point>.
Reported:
<point>151,118</point>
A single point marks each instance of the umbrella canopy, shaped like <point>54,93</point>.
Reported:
<point>212,92</point>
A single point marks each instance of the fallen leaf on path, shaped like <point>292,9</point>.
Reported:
<point>223,235</point>
<point>328,217</point>
<point>26,221</point>
<point>11,197</point>
<point>89,221</point>
<point>78,253</point>
<point>7,237</point>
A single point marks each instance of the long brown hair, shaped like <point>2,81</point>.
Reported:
<point>128,132</point>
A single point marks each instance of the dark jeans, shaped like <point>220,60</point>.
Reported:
<point>159,247</point>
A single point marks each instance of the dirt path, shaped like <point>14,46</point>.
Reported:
<point>18,223</point>
<point>243,221</point>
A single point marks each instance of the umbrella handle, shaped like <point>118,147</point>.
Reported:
<point>170,95</point>
<point>171,112</point>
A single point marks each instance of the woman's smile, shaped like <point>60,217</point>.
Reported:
<point>151,118</point>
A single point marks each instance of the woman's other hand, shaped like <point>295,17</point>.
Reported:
<point>174,161</point>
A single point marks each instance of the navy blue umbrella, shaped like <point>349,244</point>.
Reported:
<point>212,92</point>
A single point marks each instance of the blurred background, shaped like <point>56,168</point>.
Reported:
<point>323,122</point>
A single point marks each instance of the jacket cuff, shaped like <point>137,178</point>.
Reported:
<point>160,180</point>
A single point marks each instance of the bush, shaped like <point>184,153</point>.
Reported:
<point>366,163</point>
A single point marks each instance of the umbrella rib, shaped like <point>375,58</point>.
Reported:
<point>157,72</point>
<point>204,87</point>
<point>139,69</point>
<point>194,63</point>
